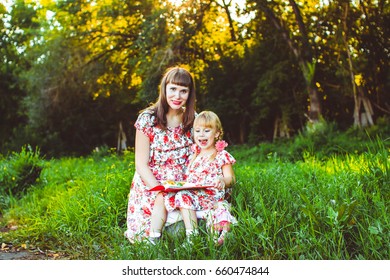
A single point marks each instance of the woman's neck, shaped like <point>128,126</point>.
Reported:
<point>174,112</point>
<point>174,117</point>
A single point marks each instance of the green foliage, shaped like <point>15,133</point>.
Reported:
<point>19,172</point>
<point>70,71</point>
<point>317,209</point>
<point>323,140</point>
<point>17,28</point>
<point>308,71</point>
<point>79,203</point>
<point>321,204</point>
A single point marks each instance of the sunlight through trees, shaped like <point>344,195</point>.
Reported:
<point>268,68</point>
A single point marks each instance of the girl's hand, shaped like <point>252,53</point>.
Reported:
<point>220,183</point>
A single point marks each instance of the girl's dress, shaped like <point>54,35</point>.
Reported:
<point>204,171</point>
<point>169,152</point>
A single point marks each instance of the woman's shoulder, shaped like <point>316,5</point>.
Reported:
<point>147,114</point>
<point>146,119</point>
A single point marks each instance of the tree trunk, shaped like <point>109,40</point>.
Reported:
<point>121,146</point>
<point>242,129</point>
<point>360,119</point>
<point>365,118</point>
<point>226,6</point>
<point>356,111</point>
<point>315,104</point>
<point>281,129</point>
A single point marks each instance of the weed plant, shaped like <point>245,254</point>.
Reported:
<point>18,171</point>
<point>313,204</point>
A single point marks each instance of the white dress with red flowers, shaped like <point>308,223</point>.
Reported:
<point>204,171</point>
<point>169,152</point>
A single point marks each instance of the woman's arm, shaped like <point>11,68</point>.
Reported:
<point>142,150</point>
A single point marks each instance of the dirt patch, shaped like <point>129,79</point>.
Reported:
<point>10,252</point>
<point>21,255</point>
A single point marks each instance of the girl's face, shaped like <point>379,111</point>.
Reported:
<point>177,95</point>
<point>205,137</point>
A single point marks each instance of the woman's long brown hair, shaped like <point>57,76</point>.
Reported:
<point>178,76</point>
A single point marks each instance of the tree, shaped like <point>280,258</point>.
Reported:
<point>78,92</point>
<point>302,50</point>
<point>349,60</point>
<point>358,93</point>
<point>18,27</point>
<point>86,66</point>
<point>374,51</point>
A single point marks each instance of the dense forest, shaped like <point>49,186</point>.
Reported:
<point>73,72</point>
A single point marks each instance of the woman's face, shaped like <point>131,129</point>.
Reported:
<point>177,96</point>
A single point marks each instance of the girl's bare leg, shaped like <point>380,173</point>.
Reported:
<point>159,217</point>
<point>190,221</point>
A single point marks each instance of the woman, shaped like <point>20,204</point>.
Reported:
<point>162,147</point>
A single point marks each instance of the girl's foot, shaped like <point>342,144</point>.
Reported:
<point>221,239</point>
<point>189,241</point>
<point>154,237</point>
<point>153,240</point>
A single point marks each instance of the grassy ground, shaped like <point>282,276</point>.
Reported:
<point>297,200</point>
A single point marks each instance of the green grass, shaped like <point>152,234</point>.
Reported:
<point>314,204</point>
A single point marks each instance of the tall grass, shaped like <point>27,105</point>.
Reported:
<point>79,205</point>
<point>317,209</point>
<point>311,206</point>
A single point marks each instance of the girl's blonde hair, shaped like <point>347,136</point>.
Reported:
<point>211,120</point>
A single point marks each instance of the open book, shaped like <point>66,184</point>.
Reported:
<point>172,186</point>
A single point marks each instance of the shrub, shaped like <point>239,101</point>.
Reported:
<point>20,170</point>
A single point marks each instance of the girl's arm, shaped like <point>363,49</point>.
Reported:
<point>227,178</point>
<point>228,175</point>
<point>142,150</point>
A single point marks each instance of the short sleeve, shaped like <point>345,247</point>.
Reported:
<point>145,123</point>
<point>225,158</point>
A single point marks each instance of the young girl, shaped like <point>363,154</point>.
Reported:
<point>210,165</point>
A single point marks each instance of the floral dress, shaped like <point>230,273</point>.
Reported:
<point>204,171</point>
<point>169,152</point>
